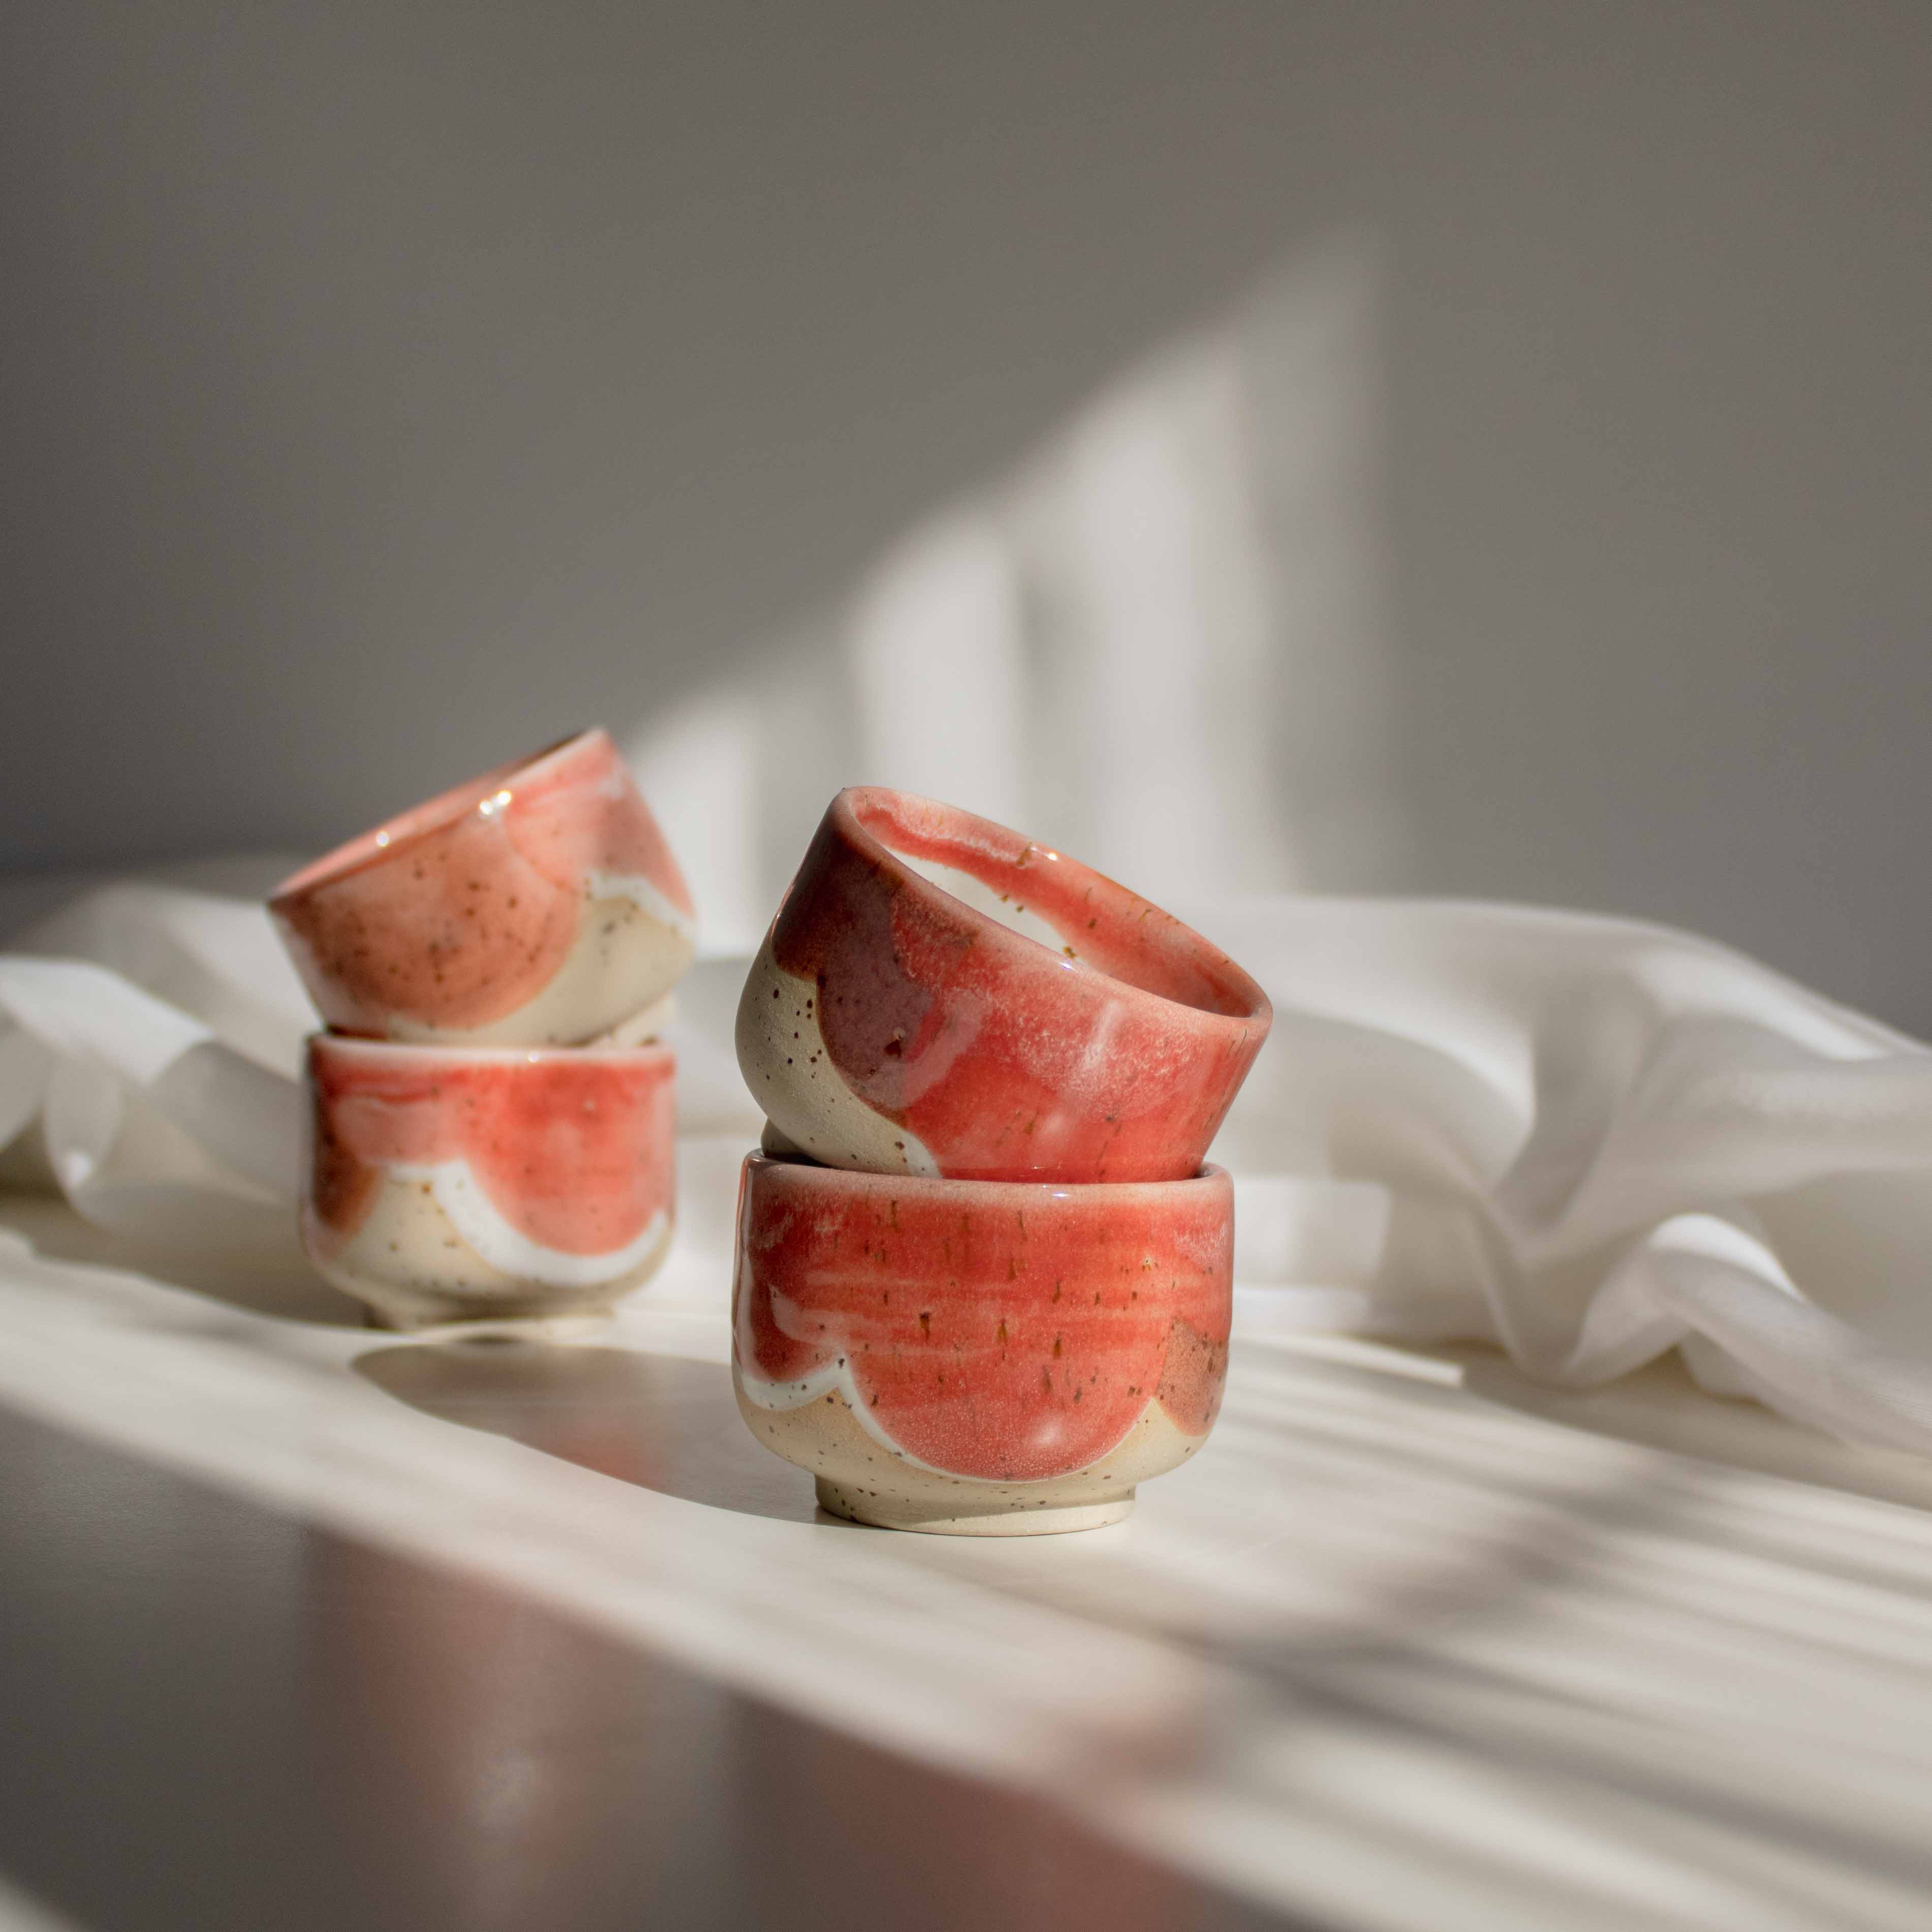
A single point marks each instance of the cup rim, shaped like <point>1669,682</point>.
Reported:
<point>406,830</point>
<point>847,812</point>
<point>422,1053</point>
<point>1210,1176</point>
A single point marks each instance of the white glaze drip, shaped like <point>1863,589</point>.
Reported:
<point>475,1216</point>
<point>647,898</point>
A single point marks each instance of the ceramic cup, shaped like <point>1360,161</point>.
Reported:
<point>451,1184</point>
<point>979,1358</point>
<point>537,904</point>
<point>939,996</point>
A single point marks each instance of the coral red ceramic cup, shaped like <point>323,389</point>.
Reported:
<point>979,1358</point>
<point>939,996</point>
<point>538,904</point>
<point>487,1184</point>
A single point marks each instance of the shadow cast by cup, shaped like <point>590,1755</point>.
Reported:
<point>660,1421</point>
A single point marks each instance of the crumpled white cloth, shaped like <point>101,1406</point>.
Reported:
<point>1585,1140</point>
<point>150,1038</point>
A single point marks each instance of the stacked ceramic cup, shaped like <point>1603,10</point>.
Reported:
<point>983,1276</point>
<point>493,1117</point>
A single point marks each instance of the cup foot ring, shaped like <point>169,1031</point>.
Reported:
<point>1017,1515</point>
<point>574,1325</point>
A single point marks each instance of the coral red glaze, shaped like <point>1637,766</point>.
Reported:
<point>1011,1332</point>
<point>1114,1060</point>
<point>462,910</point>
<point>572,1149</point>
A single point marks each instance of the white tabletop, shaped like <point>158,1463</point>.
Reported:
<point>1412,1644</point>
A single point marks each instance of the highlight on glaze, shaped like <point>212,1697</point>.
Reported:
<point>538,903</point>
<point>449,1182</point>
<point>1028,1344</point>
<point>940,996</point>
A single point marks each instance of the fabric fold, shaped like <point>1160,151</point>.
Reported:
<point>1584,1141</point>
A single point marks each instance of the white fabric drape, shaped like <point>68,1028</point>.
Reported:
<point>1587,1140</point>
<point>1583,1140</point>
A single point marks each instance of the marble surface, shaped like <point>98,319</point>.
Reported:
<point>307,1623</point>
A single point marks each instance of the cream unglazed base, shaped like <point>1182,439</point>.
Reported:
<point>979,1357</point>
<point>861,1478</point>
<point>415,1264</point>
<point>628,944</point>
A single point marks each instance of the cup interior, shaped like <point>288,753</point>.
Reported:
<point>1082,917</point>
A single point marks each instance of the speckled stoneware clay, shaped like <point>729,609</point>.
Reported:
<point>940,997</point>
<point>537,904</point>
<point>1001,1358</point>
<point>448,1184</point>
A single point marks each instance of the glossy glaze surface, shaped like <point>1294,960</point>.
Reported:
<point>538,903</point>
<point>1012,1337</point>
<point>445,1183</point>
<point>888,1025</point>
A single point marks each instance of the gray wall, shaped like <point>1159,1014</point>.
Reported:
<point>387,388</point>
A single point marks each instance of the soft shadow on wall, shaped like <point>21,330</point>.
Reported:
<point>382,399</point>
<point>1160,642</point>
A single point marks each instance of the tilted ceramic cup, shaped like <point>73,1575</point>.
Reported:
<point>487,1184</point>
<point>537,904</point>
<point>939,996</point>
<point>982,1358</point>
